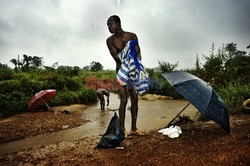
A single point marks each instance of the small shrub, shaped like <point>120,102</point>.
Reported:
<point>11,104</point>
<point>9,86</point>
<point>234,95</point>
<point>87,96</point>
<point>6,74</point>
<point>64,98</point>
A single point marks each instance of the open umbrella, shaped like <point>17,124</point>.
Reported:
<point>201,95</point>
<point>41,98</point>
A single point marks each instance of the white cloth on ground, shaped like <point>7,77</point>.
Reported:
<point>171,132</point>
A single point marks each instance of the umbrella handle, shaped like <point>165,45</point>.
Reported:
<point>178,114</point>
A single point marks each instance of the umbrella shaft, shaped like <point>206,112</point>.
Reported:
<point>178,114</point>
<point>45,103</point>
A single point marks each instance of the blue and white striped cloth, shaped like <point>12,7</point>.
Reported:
<point>132,69</point>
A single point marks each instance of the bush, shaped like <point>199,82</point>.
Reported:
<point>83,96</point>
<point>234,94</point>
<point>87,96</point>
<point>72,84</point>
<point>30,87</point>
<point>6,74</point>
<point>64,98</point>
<point>8,86</point>
<point>160,86</point>
<point>11,104</point>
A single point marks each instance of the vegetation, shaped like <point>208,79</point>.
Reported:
<point>19,85</point>
<point>230,68</point>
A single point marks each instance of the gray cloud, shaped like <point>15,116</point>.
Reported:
<point>75,32</point>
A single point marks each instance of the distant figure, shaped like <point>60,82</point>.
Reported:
<point>100,94</point>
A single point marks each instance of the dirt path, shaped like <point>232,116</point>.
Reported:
<point>202,143</point>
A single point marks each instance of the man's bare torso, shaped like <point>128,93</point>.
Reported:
<point>119,42</point>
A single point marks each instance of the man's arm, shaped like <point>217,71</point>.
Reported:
<point>107,100</point>
<point>137,48</point>
<point>112,50</point>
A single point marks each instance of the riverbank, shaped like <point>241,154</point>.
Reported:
<point>34,123</point>
<point>202,143</point>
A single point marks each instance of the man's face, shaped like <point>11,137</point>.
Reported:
<point>112,26</point>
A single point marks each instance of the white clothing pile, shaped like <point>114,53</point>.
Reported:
<point>171,132</point>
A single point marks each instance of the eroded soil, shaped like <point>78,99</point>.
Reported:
<point>201,143</point>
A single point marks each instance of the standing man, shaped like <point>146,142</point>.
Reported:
<point>116,43</point>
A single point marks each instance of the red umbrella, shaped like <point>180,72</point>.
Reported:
<point>41,98</point>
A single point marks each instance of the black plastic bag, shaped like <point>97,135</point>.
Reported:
<point>114,134</point>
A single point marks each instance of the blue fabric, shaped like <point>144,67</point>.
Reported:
<point>132,69</point>
<point>132,45</point>
<point>201,95</point>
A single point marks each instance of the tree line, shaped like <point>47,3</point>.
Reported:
<point>28,63</point>
<point>226,56</point>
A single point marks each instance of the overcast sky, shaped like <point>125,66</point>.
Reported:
<point>74,32</point>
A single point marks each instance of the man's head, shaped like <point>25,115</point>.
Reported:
<point>115,18</point>
<point>114,24</point>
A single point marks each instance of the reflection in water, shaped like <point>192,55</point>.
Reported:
<point>153,115</point>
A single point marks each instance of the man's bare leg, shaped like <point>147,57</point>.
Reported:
<point>102,105</point>
<point>134,108</point>
<point>123,103</point>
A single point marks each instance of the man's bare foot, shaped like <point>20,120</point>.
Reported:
<point>128,135</point>
<point>137,132</point>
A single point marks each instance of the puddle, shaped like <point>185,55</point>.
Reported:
<point>152,115</point>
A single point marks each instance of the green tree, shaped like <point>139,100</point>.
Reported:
<point>55,65</point>
<point>95,66</point>
<point>241,53</point>
<point>68,70</point>
<point>222,55</point>
<point>3,66</point>
<point>14,61</point>
<point>86,67</point>
<point>212,49</point>
<point>19,63</point>
<point>239,67</point>
<point>6,73</point>
<point>248,48</point>
<point>75,71</point>
<point>166,67</point>
<point>197,63</point>
<point>231,48</point>
<point>27,60</point>
<point>214,63</point>
<point>37,61</point>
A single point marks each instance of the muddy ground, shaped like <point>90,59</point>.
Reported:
<point>201,143</point>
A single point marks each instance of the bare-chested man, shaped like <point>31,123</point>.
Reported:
<point>116,42</point>
<point>100,94</point>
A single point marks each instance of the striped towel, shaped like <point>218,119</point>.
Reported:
<point>132,69</point>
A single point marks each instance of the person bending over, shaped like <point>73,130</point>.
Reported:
<point>100,94</point>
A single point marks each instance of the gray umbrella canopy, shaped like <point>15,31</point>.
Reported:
<point>201,95</point>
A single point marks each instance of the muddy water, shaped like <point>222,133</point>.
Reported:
<point>153,115</point>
